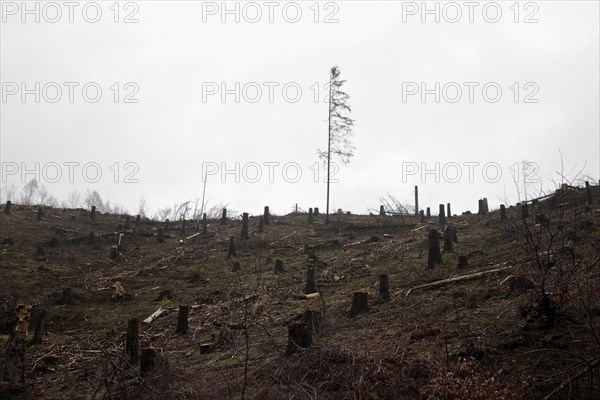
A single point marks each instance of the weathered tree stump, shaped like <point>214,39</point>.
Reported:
<point>278,266</point>
<point>224,217</point>
<point>422,215</point>
<point>416,200</point>
<point>7,207</point>
<point>40,214</point>
<point>231,252</point>
<point>38,319</point>
<point>428,212</point>
<point>93,216</point>
<point>316,211</point>
<point>160,235</point>
<point>502,212</point>
<point>311,285</point>
<point>434,254</point>
<point>266,220</point>
<point>313,320</point>
<point>245,226</point>
<point>384,287</point>
<point>359,304</point>
<point>67,297</point>
<point>204,224</point>
<point>442,215</point>
<point>463,261</point>
<point>448,239</point>
<point>260,224</point>
<point>448,211</point>
<point>381,210</point>
<point>148,359</point>
<point>182,319</point>
<point>299,335</point>
<point>310,216</point>
<point>132,340</point>
<point>236,267</point>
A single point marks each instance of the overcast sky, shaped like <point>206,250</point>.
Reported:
<point>196,91</point>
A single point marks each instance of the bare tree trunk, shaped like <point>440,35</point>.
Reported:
<point>428,212</point>
<point>442,216</point>
<point>502,212</point>
<point>266,216</point>
<point>224,217</point>
<point>448,211</point>
<point>231,251</point>
<point>359,304</point>
<point>416,200</point>
<point>422,215</point>
<point>93,216</point>
<point>381,210</point>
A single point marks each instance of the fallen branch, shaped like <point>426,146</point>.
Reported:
<point>155,315</point>
<point>283,238</point>
<point>454,279</point>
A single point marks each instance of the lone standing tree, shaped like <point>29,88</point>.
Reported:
<point>340,127</point>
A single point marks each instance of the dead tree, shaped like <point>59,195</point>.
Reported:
<point>245,226</point>
<point>311,286</point>
<point>502,212</point>
<point>147,360</point>
<point>299,335</point>
<point>182,319</point>
<point>384,287</point>
<point>224,217</point>
<point>278,266</point>
<point>416,200</point>
<point>231,252</point>
<point>359,304</point>
<point>434,256</point>
<point>448,239</point>
<point>442,215</point>
<point>132,341</point>
<point>7,207</point>
<point>93,216</point>
<point>266,216</point>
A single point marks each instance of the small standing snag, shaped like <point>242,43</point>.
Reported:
<point>182,319</point>
<point>147,360</point>
<point>204,224</point>
<point>299,335</point>
<point>416,200</point>
<point>434,256</point>
<point>278,266</point>
<point>310,215</point>
<point>311,286</point>
<point>381,210</point>
<point>93,216</point>
<point>245,226</point>
<point>502,212</point>
<point>316,212</point>
<point>422,215</point>
<point>224,217</point>
<point>266,216</point>
<point>448,211</point>
<point>231,251</point>
<point>132,341</point>
<point>7,207</point>
<point>428,212</point>
<point>384,287</point>
<point>359,304</point>
<point>448,239</point>
<point>442,215</point>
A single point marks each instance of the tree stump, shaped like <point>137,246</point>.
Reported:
<point>442,215</point>
<point>316,211</point>
<point>448,239</point>
<point>39,214</point>
<point>147,360</point>
<point>384,287</point>
<point>236,267</point>
<point>93,216</point>
<point>14,369</point>
<point>299,335</point>
<point>204,224</point>
<point>480,207</point>
<point>278,266</point>
<point>502,212</point>
<point>132,340</point>
<point>160,235</point>
<point>260,224</point>
<point>381,210</point>
<point>266,216</point>
<point>245,226</point>
<point>416,200</point>
<point>7,207</point>
<point>167,224</point>
<point>311,286</point>
<point>434,255</point>
<point>310,216</point>
<point>38,319</point>
<point>359,304</point>
<point>224,217</point>
<point>182,319</point>
<point>231,251</point>
<point>463,261</point>
<point>448,211</point>
<point>486,208</point>
<point>422,215</point>
<point>428,212</point>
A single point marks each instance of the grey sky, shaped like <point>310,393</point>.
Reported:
<point>173,57</point>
